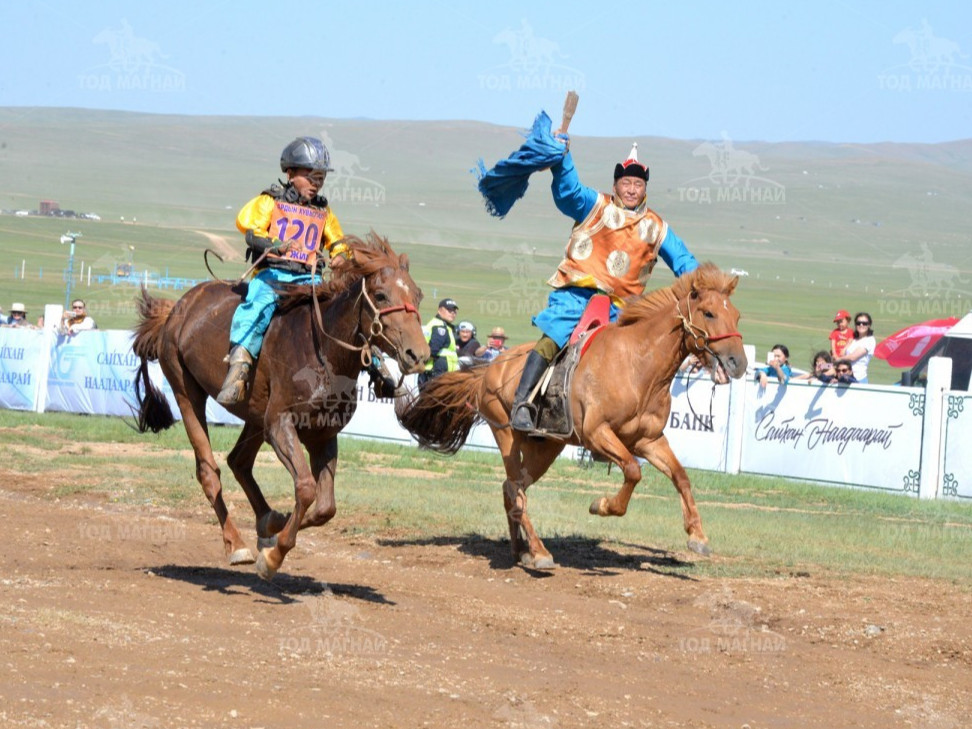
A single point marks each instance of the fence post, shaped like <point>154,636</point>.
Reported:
<point>939,381</point>
<point>736,417</point>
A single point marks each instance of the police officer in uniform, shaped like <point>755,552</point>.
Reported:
<point>441,336</point>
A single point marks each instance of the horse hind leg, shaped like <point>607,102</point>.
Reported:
<point>192,403</point>
<point>526,461</point>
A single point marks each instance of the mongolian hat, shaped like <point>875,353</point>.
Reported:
<point>631,167</point>
<point>498,333</point>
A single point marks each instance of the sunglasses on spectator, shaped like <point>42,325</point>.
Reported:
<point>843,371</point>
<point>863,323</point>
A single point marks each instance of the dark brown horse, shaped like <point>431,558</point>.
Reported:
<point>303,387</point>
<point>619,400</point>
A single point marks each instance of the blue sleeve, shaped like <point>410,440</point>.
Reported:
<point>676,256</point>
<point>571,197</point>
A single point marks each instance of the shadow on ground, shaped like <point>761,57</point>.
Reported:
<point>284,588</point>
<point>592,556</point>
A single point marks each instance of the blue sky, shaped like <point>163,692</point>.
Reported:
<point>830,71</point>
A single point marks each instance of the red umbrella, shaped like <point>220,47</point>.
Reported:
<point>906,347</point>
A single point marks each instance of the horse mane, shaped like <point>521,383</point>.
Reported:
<point>370,254</point>
<point>708,277</point>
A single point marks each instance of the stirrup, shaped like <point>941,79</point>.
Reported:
<point>524,417</point>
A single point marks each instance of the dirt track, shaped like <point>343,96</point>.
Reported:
<point>114,618</point>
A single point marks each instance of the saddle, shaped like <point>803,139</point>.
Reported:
<point>552,396</point>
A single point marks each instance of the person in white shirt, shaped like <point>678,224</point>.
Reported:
<point>861,348</point>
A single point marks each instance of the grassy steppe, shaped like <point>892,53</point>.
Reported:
<point>834,227</point>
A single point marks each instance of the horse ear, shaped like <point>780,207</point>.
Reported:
<point>732,285</point>
<point>403,261</point>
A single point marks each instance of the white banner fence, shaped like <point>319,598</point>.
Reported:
<point>899,439</point>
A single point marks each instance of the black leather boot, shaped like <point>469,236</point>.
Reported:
<point>523,415</point>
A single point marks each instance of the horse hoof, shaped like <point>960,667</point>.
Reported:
<point>266,542</point>
<point>596,505</point>
<point>263,567</point>
<point>242,556</point>
<point>544,563</point>
<point>699,547</point>
<point>526,559</point>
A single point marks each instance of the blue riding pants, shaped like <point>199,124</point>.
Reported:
<point>252,317</point>
<point>565,307</point>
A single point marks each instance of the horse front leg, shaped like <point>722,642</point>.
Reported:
<point>659,454</point>
<point>241,460</point>
<point>606,443</point>
<point>282,436</point>
<point>323,458</point>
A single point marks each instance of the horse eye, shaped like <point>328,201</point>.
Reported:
<point>381,297</point>
<point>708,315</point>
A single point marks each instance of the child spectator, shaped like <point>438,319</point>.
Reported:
<point>821,368</point>
<point>778,365</point>
<point>842,334</point>
<point>845,373</point>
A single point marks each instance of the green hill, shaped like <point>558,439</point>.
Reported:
<point>818,226</point>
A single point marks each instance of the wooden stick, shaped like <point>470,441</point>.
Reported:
<point>570,106</point>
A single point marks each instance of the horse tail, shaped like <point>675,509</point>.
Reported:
<point>152,315</point>
<point>445,410</point>
<point>154,412</point>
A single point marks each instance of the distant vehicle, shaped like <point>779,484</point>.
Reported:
<point>738,272</point>
<point>22,213</point>
<point>90,216</point>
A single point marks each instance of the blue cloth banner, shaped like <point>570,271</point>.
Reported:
<point>507,182</point>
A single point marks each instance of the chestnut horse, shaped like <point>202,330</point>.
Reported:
<point>619,400</point>
<point>304,384</point>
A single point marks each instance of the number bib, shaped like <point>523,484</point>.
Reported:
<point>300,226</point>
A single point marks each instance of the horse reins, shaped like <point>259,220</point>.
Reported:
<point>377,329</point>
<point>699,334</point>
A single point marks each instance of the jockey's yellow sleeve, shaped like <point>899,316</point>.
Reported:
<point>257,213</point>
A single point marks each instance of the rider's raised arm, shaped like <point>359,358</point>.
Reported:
<point>676,255</point>
<point>571,197</point>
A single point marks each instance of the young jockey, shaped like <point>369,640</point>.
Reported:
<point>612,249</point>
<point>289,221</point>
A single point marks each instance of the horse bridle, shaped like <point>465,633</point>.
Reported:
<point>702,338</point>
<point>376,330</point>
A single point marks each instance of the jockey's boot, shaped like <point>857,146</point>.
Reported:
<point>238,378</point>
<point>523,415</point>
